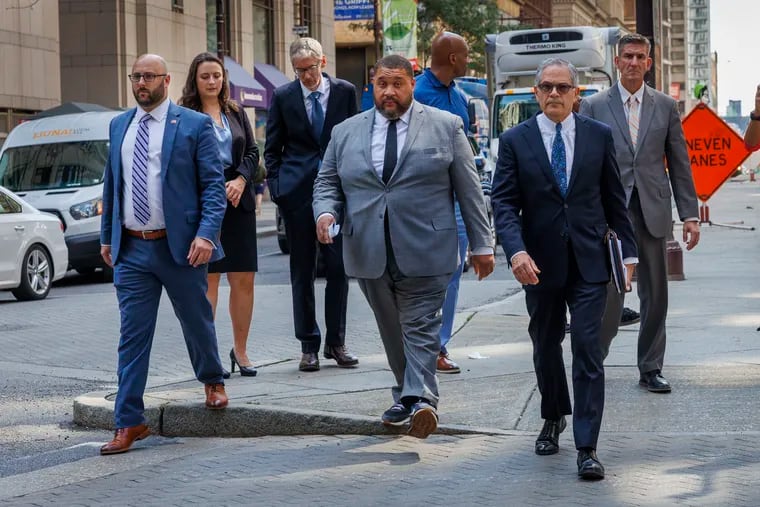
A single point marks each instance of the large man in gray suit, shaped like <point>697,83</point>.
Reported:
<point>389,176</point>
<point>652,156</point>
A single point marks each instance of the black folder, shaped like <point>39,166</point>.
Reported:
<point>615,258</point>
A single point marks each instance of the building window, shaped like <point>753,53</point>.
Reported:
<point>302,17</point>
<point>263,31</point>
<point>211,28</point>
<point>178,6</point>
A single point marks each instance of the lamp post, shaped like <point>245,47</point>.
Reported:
<point>221,32</point>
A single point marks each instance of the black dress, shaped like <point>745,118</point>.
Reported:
<point>238,236</point>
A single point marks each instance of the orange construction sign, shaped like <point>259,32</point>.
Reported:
<point>715,150</point>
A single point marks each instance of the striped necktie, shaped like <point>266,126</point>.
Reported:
<point>559,161</point>
<point>633,118</point>
<point>140,172</point>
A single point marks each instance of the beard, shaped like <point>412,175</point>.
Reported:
<point>394,114</point>
<point>154,96</point>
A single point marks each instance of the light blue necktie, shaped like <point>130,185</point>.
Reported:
<point>559,161</point>
<point>317,114</point>
<point>140,173</point>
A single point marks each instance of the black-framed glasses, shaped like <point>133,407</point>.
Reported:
<point>148,77</point>
<point>562,88</point>
<point>307,70</point>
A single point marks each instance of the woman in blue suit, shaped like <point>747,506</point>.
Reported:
<point>207,90</point>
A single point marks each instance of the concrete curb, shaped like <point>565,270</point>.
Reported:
<point>183,419</point>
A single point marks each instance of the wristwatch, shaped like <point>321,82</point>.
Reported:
<point>753,116</point>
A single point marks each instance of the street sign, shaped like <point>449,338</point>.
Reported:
<point>715,150</point>
<point>301,30</point>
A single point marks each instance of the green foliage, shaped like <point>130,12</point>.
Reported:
<point>472,19</point>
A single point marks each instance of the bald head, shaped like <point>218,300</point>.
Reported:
<point>149,58</point>
<point>449,56</point>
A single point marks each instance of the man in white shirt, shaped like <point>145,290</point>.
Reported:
<point>556,191</point>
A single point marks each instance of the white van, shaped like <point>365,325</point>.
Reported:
<point>56,164</point>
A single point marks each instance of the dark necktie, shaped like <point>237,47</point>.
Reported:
<point>317,114</point>
<point>140,172</point>
<point>559,161</point>
<point>391,151</point>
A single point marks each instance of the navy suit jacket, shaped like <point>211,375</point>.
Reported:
<point>192,183</point>
<point>530,213</point>
<point>292,152</point>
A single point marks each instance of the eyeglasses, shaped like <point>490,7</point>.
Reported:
<point>148,77</point>
<point>562,88</point>
<point>310,70</point>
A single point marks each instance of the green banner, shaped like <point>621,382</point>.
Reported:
<point>400,28</point>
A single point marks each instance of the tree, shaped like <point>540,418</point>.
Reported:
<point>472,19</point>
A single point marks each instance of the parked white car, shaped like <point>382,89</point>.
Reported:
<point>33,253</point>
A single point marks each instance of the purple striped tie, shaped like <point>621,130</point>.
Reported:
<point>140,173</point>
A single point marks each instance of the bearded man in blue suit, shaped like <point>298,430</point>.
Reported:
<point>163,204</point>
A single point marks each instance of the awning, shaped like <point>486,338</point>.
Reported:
<point>270,76</point>
<point>243,87</point>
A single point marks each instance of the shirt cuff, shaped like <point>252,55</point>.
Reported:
<point>325,214</point>
<point>631,260</point>
<point>212,243</point>
<point>483,250</point>
<point>691,219</point>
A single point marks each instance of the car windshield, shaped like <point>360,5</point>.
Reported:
<point>515,108</point>
<point>53,166</point>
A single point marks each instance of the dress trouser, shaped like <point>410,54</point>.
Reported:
<point>302,242</point>
<point>143,269</point>
<point>547,310</point>
<point>407,311</point>
<point>652,287</point>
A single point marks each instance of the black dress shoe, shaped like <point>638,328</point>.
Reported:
<point>589,466</point>
<point>654,382</point>
<point>629,317</point>
<point>309,362</point>
<point>342,356</point>
<point>548,440</point>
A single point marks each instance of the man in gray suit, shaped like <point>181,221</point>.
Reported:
<point>651,152</point>
<point>389,176</point>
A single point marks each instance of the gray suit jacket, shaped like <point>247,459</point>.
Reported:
<point>660,138</point>
<point>436,161</point>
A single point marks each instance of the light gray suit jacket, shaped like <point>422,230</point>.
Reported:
<point>660,138</point>
<point>436,161</point>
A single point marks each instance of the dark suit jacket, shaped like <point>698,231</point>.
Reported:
<point>245,155</point>
<point>192,183</point>
<point>292,153</point>
<point>531,215</point>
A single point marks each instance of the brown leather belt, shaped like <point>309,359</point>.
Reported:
<point>149,235</point>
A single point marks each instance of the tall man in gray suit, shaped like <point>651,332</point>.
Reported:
<point>389,176</point>
<point>652,156</point>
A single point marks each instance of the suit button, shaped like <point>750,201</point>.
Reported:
<point>566,206</point>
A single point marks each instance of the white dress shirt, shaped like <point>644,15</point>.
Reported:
<point>549,131</point>
<point>323,88</point>
<point>156,127</point>
<point>379,133</point>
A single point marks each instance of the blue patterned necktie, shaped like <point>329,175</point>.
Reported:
<point>317,114</point>
<point>559,161</point>
<point>140,173</point>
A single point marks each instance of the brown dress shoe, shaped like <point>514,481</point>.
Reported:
<point>342,356</point>
<point>309,362</point>
<point>446,365</point>
<point>123,439</point>
<point>216,398</point>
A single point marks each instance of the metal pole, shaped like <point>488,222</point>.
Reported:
<point>377,31</point>
<point>645,27</point>
<point>221,33</point>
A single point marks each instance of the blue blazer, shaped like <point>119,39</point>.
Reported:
<point>192,183</point>
<point>530,213</point>
<point>292,152</point>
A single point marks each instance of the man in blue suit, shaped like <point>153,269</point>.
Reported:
<point>556,191</point>
<point>163,204</point>
<point>301,118</point>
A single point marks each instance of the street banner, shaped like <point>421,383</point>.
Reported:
<point>715,150</point>
<point>354,10</point>
<point>400,28</point>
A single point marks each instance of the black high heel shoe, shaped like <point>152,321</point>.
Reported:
<point>245,371</point>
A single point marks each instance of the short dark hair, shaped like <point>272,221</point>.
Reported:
<point>633,38</point>
<point>395,62</point>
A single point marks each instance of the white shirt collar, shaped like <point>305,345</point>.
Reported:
<point>382,120</point>
<point>322,88</point>
<point>158,113</point>
<point>625,94</point>
<point>545,124</point>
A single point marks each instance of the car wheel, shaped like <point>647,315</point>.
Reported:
<point>283,242</point>
<point>36,275</point>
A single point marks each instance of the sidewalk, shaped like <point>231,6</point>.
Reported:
<point>713,363</point>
